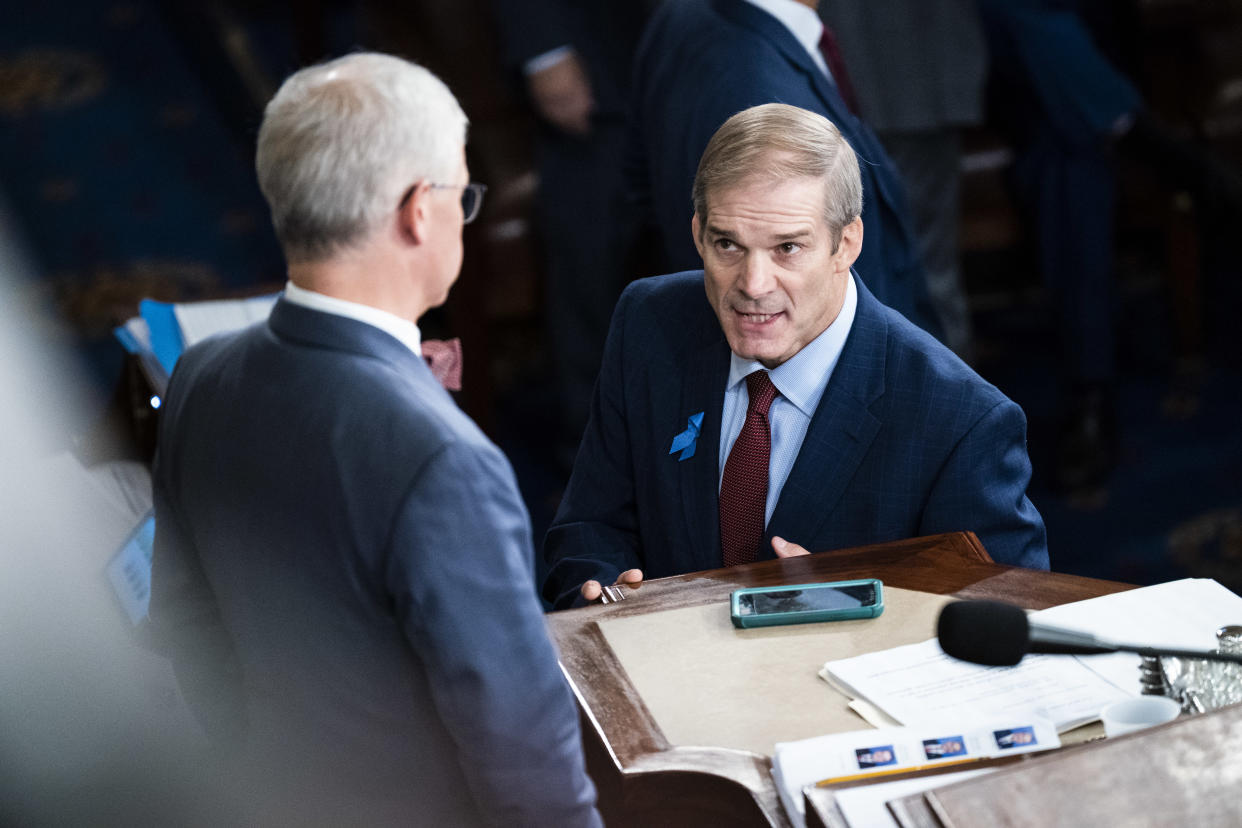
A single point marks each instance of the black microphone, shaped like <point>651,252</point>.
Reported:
<point>999,635</point>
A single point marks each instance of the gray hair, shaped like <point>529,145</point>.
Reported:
<point>342,141</point>
<point>782,142</point>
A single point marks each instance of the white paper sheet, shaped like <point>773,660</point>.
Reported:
<point>199,320</point>
<point>848,757</point>
<point>919,683</point>
<point>1178,614</point>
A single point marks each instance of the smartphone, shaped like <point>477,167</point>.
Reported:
<point>804,603</point>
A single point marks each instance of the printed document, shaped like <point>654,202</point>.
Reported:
<point>918,683</point>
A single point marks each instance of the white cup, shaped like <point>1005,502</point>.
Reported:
<point>1136,714</point>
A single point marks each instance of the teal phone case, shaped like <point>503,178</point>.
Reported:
<point>805,616</point>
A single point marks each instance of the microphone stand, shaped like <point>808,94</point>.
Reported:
<point>1058,641</point>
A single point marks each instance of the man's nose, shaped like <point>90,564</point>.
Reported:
<point>756,278</point>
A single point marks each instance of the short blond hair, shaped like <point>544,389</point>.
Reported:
<point>782,142</point>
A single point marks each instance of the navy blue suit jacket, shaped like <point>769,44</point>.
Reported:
<point>907,441</point>
<point>702,61</point>
<point>342,575</point>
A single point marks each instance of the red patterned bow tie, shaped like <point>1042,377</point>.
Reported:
<point>443,356</point>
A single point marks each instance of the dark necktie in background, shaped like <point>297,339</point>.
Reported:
<point>836,65</point>
<point>744,488</point>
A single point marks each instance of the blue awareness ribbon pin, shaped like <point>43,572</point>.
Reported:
<point>685,442</point>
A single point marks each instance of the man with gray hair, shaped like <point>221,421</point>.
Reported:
<point>342,565</point>
<point>789,411</point>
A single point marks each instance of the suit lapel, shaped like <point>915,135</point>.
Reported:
<point>864,142</point>
<point>841,430</point>
<point>707,371</point>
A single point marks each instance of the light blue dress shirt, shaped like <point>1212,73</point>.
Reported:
<point>801,381</point>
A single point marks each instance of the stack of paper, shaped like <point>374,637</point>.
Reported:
<point>918,683</point>
<point>877,754</point>
<point>1180,614</point>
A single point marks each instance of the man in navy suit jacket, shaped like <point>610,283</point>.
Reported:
<point>701,61</point>
<point>342,563</point>
<point>877,432</point>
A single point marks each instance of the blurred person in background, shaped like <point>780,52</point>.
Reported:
<point>574,60</point>
<point>1072,112</point>
<point>918,69</point>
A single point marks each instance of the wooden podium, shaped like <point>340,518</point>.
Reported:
<point>646,779</point>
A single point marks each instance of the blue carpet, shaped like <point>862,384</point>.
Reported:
<point>1165,509</point>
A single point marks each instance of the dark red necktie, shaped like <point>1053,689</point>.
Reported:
<point>744,488</point>
<point>836,65</point>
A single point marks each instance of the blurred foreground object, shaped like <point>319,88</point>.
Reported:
<point>92,728</point>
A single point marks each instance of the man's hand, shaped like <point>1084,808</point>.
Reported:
<point>785,549</point>
<point>562,95</point>
<point>591,590</point>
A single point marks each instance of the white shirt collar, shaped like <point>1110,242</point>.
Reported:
<point>802,378</point>
<point>403,330</point>
<point>803,23</point>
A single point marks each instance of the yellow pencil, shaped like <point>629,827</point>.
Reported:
<point>897,770</point>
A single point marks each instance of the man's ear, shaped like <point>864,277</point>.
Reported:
<point>851,244</point>
<point>696,230</point>
<point>412,216</point>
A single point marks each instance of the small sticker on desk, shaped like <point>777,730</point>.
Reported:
<point>875,757</point>
<point>1015,738</point>
<point>944,747</point>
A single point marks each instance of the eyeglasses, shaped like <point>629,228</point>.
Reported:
<point>471,198</point>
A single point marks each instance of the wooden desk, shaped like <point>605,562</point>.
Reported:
<point>643,779</point>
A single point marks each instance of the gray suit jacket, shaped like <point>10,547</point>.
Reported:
<point>342,572</point>
<point>917,65</point>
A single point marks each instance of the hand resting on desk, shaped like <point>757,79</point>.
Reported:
<point>591,590</point>
<point>786,549</point>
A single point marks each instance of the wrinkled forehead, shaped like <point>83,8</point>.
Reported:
<point>769,191</point>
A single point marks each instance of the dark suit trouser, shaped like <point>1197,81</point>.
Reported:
<point>1063,99</point>
<point>579,210</point>
<point>930,165</point>
<point>1071,191</point>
